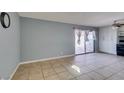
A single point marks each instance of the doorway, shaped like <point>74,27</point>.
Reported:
<point>84,41</point>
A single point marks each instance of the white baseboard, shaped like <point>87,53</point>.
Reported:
<point>14,71</point>
<point>39,60</point>
<point>46,59</point>
<point>107,53</point>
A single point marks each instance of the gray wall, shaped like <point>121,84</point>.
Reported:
<point>9,47</point>
<point>45,39</point>
<point>39,39</point>
<point>97,40</point>
<point>107,40</point>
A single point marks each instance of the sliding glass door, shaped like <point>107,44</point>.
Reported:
<point>79,42</point>
<point>84,41</point>
<point>89,43</point>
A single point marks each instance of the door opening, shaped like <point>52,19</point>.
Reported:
<point>84,41</point>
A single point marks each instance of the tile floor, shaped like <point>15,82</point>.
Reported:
<point>95,66</point>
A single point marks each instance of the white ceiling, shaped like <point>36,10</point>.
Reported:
<point>96,19</point>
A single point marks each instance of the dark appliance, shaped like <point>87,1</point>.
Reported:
<point>120,49</point>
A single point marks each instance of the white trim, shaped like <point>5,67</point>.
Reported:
<point>46,59</point>
<point>14,71</point>
<point>39,60</point>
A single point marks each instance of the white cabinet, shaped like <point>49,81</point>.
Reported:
<point>120,33</point>
<point>107,40</point>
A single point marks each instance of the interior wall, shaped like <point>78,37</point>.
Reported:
<point>45,39</point>
<point>97,40</point>
<point>107,39</point>
<point>9,46</point>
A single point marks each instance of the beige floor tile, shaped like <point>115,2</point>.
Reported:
<point>67,65</point>
<point>73,78</point>
<point>75,73</point>
<point>20,77</point>
<point>116,77</point>
<point>52,77</point>
<point>95,76</point>
<point>21,69</point>
<point>106,72</point>
<point>48,72</point>
<point>117,67</point>
<point>92,67</point>
<point>24,75</point>
<point>35,71</point>
<point>60,69</point>
<point>36,76</point>
<point>56,65</point>
<point>45,64</point>
<point>46,67</point>
<point>84,69</point>
<point>65,75</point>
<point>83,77</point>
<point>95,66</point>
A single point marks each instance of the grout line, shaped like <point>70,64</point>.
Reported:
<point>28,73</point>
<point>68,71</point>
<point>64,59</point>
<point>114,74</point>
<point>55,71</point>
<point>42,71</point>
<point>110,75</point>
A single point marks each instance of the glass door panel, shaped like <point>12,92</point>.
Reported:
<point>90,43</point>
<point>79,42</point>
<point>84,41</point>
